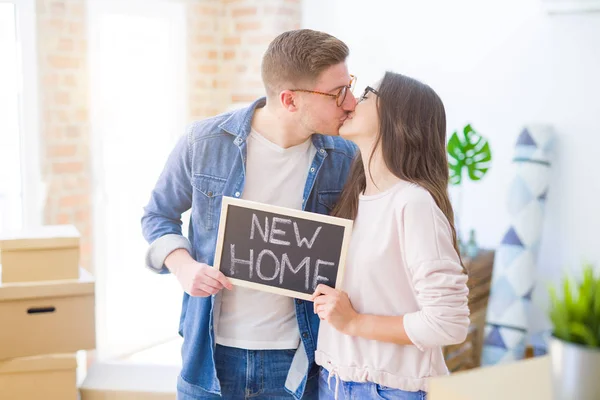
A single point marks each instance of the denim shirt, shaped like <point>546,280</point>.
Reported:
<point>207,164</point>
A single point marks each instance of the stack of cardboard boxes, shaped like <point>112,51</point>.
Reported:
<point>47,313</point>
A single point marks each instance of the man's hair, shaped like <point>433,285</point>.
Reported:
<point>299,57</point>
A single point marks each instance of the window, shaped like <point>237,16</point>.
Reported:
<point>138,111</point>
<point>20,204</point>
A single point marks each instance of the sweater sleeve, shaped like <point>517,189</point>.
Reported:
<point>437,277</point>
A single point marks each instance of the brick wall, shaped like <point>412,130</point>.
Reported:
<point>64,116</point>
<point>204,53</point>
<point>249,27</point>
<point>226,40</point>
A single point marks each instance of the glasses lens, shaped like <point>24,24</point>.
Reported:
<point>363,95</point>
<point>341,96</point>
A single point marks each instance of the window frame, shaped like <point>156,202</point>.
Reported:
<point>28,103</point>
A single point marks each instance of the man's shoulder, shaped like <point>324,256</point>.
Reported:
<point>208,127</point>
<point>232,123</point>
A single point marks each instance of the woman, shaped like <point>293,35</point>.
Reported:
<point>405,292</point>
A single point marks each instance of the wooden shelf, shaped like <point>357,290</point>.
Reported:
<point>467,355</point>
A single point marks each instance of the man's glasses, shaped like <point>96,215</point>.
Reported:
<point>339,96</point>
<point>366,92</point>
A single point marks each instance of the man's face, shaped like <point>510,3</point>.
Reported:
<point>320,113</point>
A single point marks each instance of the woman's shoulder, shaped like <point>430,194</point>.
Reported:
<point>412,194</point>
<point>416,207</point>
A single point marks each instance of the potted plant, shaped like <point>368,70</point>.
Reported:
<point>575,342</point>
<point>468,150</point>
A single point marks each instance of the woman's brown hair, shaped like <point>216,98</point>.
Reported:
<point>412,138</point>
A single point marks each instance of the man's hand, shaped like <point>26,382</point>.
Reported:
<point>196,279</point>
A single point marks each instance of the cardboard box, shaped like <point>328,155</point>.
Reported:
<point>50,377</point>
<point>130,381</point>
<point>47,317</point>
<point>519,380</point>
<point>41,254</point>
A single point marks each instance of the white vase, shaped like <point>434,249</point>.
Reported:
<point>575,370</point>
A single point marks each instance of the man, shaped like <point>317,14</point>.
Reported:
<point>241,343</point>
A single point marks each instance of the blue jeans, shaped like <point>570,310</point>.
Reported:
<point>362,391</point>
<point>253,374</point>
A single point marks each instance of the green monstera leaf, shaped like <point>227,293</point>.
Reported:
<point>468,149</point>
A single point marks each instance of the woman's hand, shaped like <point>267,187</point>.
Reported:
<point>334,306</point>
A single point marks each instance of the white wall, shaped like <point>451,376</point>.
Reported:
<point>498,65</point>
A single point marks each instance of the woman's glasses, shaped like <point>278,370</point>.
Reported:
<point>366,92</point>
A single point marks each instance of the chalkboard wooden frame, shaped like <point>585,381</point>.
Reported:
<point>345,223</point>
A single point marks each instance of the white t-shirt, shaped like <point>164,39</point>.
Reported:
<point>252,319</point>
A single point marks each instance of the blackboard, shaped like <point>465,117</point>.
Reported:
<point>280,250</point>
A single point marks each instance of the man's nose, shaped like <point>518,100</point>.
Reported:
<point>349,103</point>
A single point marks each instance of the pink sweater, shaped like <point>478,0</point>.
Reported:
<point>401,262</point>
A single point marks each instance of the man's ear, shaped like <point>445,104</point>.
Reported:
<point>288,100</point>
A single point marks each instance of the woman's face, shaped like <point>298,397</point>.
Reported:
<point>362,125</point>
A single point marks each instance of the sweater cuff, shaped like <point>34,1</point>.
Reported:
<point>412,327</point>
